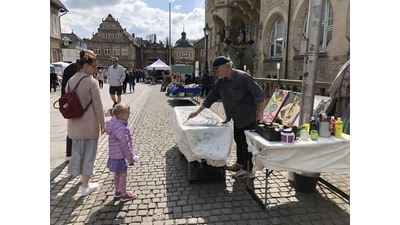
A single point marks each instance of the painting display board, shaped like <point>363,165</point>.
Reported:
<point>290,109</point>
<point>274,105</point>
<point>285,105</point>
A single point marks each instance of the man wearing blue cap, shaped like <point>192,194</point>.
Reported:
<point>243,101</point>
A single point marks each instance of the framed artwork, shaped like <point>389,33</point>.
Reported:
<point>290,109</point>
<point>322,107</point>
<point>274,105</point>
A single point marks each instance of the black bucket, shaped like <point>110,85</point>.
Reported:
<point>306,182</point>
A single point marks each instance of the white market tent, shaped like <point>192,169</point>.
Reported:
<point>59,67</point>
<point>158,65</point>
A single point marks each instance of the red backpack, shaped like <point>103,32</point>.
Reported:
<point>69,104</point>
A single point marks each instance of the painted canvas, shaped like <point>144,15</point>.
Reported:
<point>290,109</point>
<point>321,107</point>
<point>274,105</point>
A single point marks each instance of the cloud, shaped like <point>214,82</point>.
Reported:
<point>84,17</point>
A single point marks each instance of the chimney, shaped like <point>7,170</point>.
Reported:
<point>133,34</point>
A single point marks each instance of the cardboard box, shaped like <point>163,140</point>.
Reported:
<point>267,130</point>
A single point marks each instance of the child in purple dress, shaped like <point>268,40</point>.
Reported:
<point>120,148</point>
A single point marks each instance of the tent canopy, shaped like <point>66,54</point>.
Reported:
<point>59,67</point>
<point>158,65</point>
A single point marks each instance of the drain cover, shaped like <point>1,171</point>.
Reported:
<point>158,217</point>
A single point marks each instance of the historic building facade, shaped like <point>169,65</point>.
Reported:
<point>71,46</point>
<point>111,40</point>
<point>258,34</point>
<point>57,9</point>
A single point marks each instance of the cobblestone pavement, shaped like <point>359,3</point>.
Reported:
<point>164,193</point>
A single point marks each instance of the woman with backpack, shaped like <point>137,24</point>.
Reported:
<point>85,130</point>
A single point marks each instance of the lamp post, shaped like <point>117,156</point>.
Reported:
<point>278,67</point>
<point>206,30</point>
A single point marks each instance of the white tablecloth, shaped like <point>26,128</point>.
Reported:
<point>202,137</point>
<point>323,156</point>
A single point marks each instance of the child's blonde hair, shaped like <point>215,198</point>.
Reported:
<point>118,109</point>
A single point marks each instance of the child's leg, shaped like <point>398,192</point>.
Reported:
<point>117,178</point>
<point>122,182</point>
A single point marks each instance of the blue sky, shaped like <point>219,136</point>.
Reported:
<point>142,17</point>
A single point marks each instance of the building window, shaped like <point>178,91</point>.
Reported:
<point>66,43</point>
<point>326,30</point>
<point>115,51</point>
<point>97,50</point>
<point>107,51</point>
<point>277,40</point>
<point>124,51</point>
<point>202,53</point>
<point>55,24</point>
<point>54,56</point>
<point>105,36</point>
<point>115,36</point>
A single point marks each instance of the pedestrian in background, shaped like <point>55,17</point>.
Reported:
<point>126,81</point>
<point>131,82</point>
<point>144,75</point>
<point>100,78</point>
<point>53,80</point>
<point>116,77</point>
<point>205,83</point>
<point>85,130</point>
<point>153,76</point>
<point>243,101</point>
<point>120,148</point>
<point>137,75</point>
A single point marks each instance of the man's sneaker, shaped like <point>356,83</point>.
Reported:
<point>91,187</point>
<point>117,194</point>
<point>242,174</point>
<point>235,167</point>
<point>128,196</point>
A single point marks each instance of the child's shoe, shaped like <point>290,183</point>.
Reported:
<point>128,196</point>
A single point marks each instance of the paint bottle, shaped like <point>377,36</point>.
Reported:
<point>313,124</point>
<point>338,127</point>
<point>332,125</point>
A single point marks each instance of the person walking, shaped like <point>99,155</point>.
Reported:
<point>126,81</point>
<point>153,75</point>
<point>137,75</point>
<point>116,77</point>
<point>85,130</point>
<point>144,74</point>
<point>131,82</point>
<point>243,101</point>
<point>205,83</point>
<point>120,148</point>
<point>100,78</point>
<point>53,80</point>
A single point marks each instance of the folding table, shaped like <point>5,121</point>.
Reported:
<point>326,155</point>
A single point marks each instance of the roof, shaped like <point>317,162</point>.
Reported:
<point>58,4</point>
<point>74,40</point>
<point>183,42</point>
<point>201,43</point>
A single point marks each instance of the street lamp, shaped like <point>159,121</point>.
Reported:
<point>206,30</point>
<point>278,67</point>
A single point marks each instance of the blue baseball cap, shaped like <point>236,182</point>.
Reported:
<point>218,61</point>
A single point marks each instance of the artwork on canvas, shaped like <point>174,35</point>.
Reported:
<point>274,105</point>
<point>321,107</point>
<point>290,109</point>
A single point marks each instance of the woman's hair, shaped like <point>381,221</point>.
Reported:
<point>88,57</point>
<point>118,109</point>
